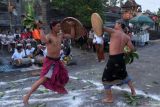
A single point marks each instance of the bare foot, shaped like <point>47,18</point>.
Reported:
<point>107,100</point>
<point>25,100</point>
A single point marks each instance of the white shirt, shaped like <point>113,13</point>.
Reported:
<point>29,51</point>
<point>3,35</point>
<point>3,39</point>
<point>98,39</point>
<point>23,52</point>
<point>17,55</point>
<point>10,38</point>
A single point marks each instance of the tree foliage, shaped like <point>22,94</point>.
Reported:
<point>29,8</point>
<point>80,9</point>
<point>158,14</point>
<point>29,19</point>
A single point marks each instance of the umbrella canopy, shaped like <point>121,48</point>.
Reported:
<point>142,19</point>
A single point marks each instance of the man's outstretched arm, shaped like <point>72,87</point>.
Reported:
<point>43,36</point>
<point>108,30</point>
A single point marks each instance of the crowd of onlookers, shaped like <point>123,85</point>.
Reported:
<point>23,46</point>
<point>27,48</point>
<point>8,38</point>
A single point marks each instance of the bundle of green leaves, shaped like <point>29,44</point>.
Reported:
<point>130,55</point>
<point>29,22</point>
<point>29,18</point>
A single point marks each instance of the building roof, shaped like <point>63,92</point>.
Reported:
<point>130,3</point>
<point>113,9</point>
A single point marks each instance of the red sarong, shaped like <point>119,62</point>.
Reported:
<point>59,76</point>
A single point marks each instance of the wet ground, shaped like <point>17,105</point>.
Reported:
<point>85,88</point>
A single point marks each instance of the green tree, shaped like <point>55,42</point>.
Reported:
<point>80,9</point>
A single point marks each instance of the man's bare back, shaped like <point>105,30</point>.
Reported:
<point>118,41</point>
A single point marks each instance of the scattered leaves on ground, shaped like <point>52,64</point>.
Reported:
<point>155,82</point>
<point>74,97</point>
<point>43,90</point>
<point>2,94</point>
<point>132,100</point>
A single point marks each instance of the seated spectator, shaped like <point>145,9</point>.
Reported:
<point>22,48</point>
<point>17,36</point>
<point>33,43</point>
<point>29,50</point>
<point>17,56</point>
<point>23,35</point>
<point>39,53</point>
<point>26,34</point>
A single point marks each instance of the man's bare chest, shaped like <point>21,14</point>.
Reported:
<point>55,41</point>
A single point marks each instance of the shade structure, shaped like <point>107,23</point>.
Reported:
<point>142,19</point>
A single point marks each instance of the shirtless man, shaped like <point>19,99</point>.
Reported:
<point>115,71</point>
<point>53,68</point>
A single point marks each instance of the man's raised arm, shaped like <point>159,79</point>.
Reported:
<point>43,37</point>
<point>109,30</point>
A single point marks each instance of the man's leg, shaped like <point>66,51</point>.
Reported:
<point>130,84</point>
<point>101,53</point>
<point>109,97</point>
<point>33,88</point>
<point>98,51</point>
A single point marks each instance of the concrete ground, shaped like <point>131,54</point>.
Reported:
<point>85,88</point>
